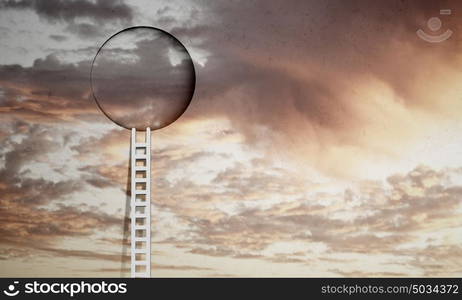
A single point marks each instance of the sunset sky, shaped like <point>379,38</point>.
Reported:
<point>324,138</point>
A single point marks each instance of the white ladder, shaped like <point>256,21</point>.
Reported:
<point>140,205</point>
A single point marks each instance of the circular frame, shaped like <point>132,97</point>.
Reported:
<point>134,28</point>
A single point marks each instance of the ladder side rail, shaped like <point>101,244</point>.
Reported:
<point>132,201</point>
<point>148,201</point>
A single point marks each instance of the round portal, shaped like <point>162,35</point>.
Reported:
<point>143,77</point>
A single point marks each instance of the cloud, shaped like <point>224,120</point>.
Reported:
<point>333,86</point>
<point>27,226</point>
<point>58,37</point>
<point>357,274</point>
<point>50,91</point>
<point>312,74</point>
<point>80,254</point>
<point>85,30</point>
<point>13,253</point>
<point>156,266</point>
<point>180,267</point>
<point>32,209</point>
<point>378,219</point>
<point>439,260</point>
<point>250,206</point>
<point>18,189</point>
<point>285,86</point>
<point>84,18</point>
<point>99,11</point>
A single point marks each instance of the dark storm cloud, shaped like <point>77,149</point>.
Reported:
<point>355,36</point>
<point>99,11</point>
<point>299,68</point>
<point>86,19</point>
<point>288,62</point>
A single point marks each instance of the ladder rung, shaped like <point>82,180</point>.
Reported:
<point>140,251</point>
<point>140,156</point>
<point>143,227</point>
<point>141,262</point>
<point>141,179</point>
<point>141,275</point>
<point>141,239</point>
<point>140,168</point>
<point>140,145</point>
<point>141,203</point>
<point>140,192</point>
<point>141,215</point>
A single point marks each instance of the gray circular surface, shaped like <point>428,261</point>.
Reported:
<point>143,77</point>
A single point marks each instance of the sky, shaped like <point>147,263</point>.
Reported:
<point>323,139</point>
